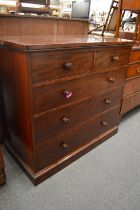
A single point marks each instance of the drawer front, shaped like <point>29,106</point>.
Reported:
<point>131,86</point>
<point>133,70</point>
<point>52,96</point>
<point>109,59</point>
<point>60,121</point>
<point>52,66</point>
<point>134,56</point>
<point>63,145</point>
<point>130,102</point>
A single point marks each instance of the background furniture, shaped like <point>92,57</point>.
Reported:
<point>39,11</point>
<point>22,25</point>
<point>69,97</point>
<point>131,94</point>
<point>2,171</point>
<point>42,2</point>
<point>114,20</point>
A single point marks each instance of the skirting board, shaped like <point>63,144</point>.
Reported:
<point>42,175</point>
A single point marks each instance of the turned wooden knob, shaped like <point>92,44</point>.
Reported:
<point>65,120</point>
<point>116,58</point>
<point>67,94</point>
<point>111,79</point>
<point>107,101</point>
<point>65,146</point>
<point>138,70</point>
<point>104,123</point>
<point>67,66</point>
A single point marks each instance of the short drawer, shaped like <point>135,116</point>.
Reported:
<point>63,145</point>
<point>56,65</point>
<point>48,97</point>
<point>133,70</point>
<point>53,123</point>
<point>110,59</point>
<point>134,56</point>
<point>130,102</point>
<point>131,86</point>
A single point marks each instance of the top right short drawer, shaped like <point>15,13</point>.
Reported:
<point>111,59</point>
<point>134,56</point>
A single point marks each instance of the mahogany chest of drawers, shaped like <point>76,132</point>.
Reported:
<point>62,98</point>
<point>131,93</point>
<point>2,171</point>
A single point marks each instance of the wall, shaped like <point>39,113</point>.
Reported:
<point>100,5</point>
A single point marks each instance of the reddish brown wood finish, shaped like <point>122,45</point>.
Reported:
<point>1,133</point>
<point>80,62</point>
<point>133,70</point>
<point>130,102</point>
<point>2,170</point>
<point>133,5</point>
<point>134,56</point>
<point>66,143</point>
<point>80,88</point>
<point>35,104</point>
<point>15,83</point>
<point>63,42</point>
<point>111,59</point>
<point>24,25</point>
<point>45,128</point>
<point>132,85</point>
<point>2,121</point>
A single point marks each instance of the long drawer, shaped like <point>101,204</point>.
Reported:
<point>63,145</point>
<point>52,96</point>
<point>134,56</point>
<point>132,86</point>
<point>130,102</point>
<point>56,122</point>
<point>56,65</point>
<point>110,59</point>
<point>133,70</point>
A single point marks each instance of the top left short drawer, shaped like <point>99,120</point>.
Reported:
<point>54,65</point>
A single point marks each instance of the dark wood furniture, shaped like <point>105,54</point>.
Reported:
<point>62,97</point>
<point>26,25</point>
<point>2,171</point>
<point>131,94</point>
<point>1,133</point>
<point>1,118</point>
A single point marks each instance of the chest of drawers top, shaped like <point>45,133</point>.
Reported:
<point>32,43</point>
